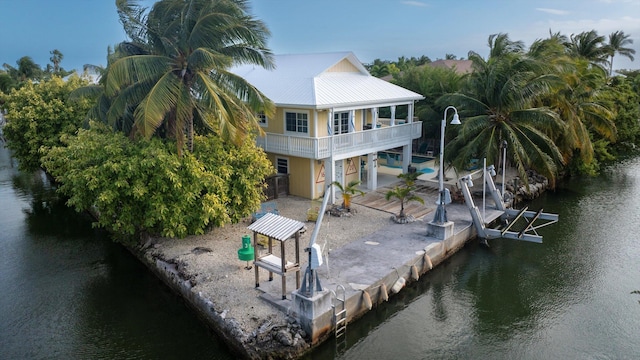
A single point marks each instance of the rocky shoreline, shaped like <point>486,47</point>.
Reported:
<point>205,271</point>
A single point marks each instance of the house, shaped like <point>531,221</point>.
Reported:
<point>459,66</point>
<point>326,127</point>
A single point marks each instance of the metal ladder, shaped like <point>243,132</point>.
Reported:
<point>339,306</point>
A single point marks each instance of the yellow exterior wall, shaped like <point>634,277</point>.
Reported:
<point>306,176</point>
<point>343,66</point>
<point>351,172</point>
<point>299,178</point>
<point>351,169</point>
<point>275,124</point>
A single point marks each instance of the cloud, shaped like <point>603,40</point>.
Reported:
<point>553,11</point>
<point>414,3</point>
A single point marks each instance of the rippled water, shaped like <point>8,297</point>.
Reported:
<point>68,292</point>
<point>569,298</point>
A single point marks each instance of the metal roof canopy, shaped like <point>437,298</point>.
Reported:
<point>307,81</point>
<point>276,226</point>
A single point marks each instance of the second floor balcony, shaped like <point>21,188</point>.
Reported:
<point>344,145</point>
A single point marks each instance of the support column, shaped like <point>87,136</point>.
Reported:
<point>352,121</point>
<point>406,158</point>
<point>372,171</point>
<point>329,177</point>
<point>374,117</point>
<point>313,313</point>
<point>410,113</point>
<point>440,231</point>
<point>393,115</point>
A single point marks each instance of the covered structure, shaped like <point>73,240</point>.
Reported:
<point>327,125</point>
<point>280,229</point>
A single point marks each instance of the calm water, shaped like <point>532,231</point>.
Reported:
<point>69,293</point>
<point>568,298</point>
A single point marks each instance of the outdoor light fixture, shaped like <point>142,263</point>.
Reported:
<point>444,196</point>
<point>492,170</point>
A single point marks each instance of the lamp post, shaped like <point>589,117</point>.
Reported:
<point>504,165</point>
<point>441,214</point>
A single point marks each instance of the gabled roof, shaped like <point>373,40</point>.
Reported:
<point>460,66</point>
<point>323,81</point>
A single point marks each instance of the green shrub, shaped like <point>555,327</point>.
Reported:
<point>143,186</point>
<point>38,114</point>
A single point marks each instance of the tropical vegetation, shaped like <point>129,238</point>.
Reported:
<point>164,142</point>
<point>166,90</point>
<point>404,193</point>
<point>145,187</point>
<point>348,191</point>
<point>40,113</point>
<point>28,71</point>
<point>171,79</point>
<point>555,104</point>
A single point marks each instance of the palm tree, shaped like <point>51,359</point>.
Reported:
<point>576,98</point>
<point>405,193</point>
<point>172,77</point>
<point>617,41</point>
<point>579,104</point>
<point>496,106</point>
<point>590,46</point>
<point>500,45</point>
<point>27,70</point>
<point>348,192</point>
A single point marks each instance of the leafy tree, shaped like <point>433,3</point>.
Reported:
<point>173,75</point>
<point>431,83</point>
<point>617,42</point>
<point>144,187</point>
<point>38,113</point>
<point>27,69</point>
<point>6,82</point>
<point>625,102</point>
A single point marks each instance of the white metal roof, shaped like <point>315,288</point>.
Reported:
<point>276,226</point>
<point>305,80</point>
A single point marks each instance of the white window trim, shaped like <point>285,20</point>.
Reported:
<point>296,133</point>
<point>335,128</point>
<point>260,115</point>
<point>286,159</point>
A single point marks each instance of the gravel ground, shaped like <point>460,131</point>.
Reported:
<point>210,263</point>
<point>207,272</point>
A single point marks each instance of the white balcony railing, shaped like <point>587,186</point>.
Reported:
<point>343,145</point>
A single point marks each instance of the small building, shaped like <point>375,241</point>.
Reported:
<point>459,66</point>
<point>327,126</point>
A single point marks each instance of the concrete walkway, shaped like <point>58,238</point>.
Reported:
<point>368,267</point>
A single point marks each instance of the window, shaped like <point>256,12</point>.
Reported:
<point>262,119</point>
<point>340,123</point>
<point>282,165</point>
<point>297,122</point>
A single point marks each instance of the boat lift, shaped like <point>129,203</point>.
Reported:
<point>508,216</point>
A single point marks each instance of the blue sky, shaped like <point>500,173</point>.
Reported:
<point>385,29</point>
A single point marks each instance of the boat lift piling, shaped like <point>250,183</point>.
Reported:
<point>508,216</point>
